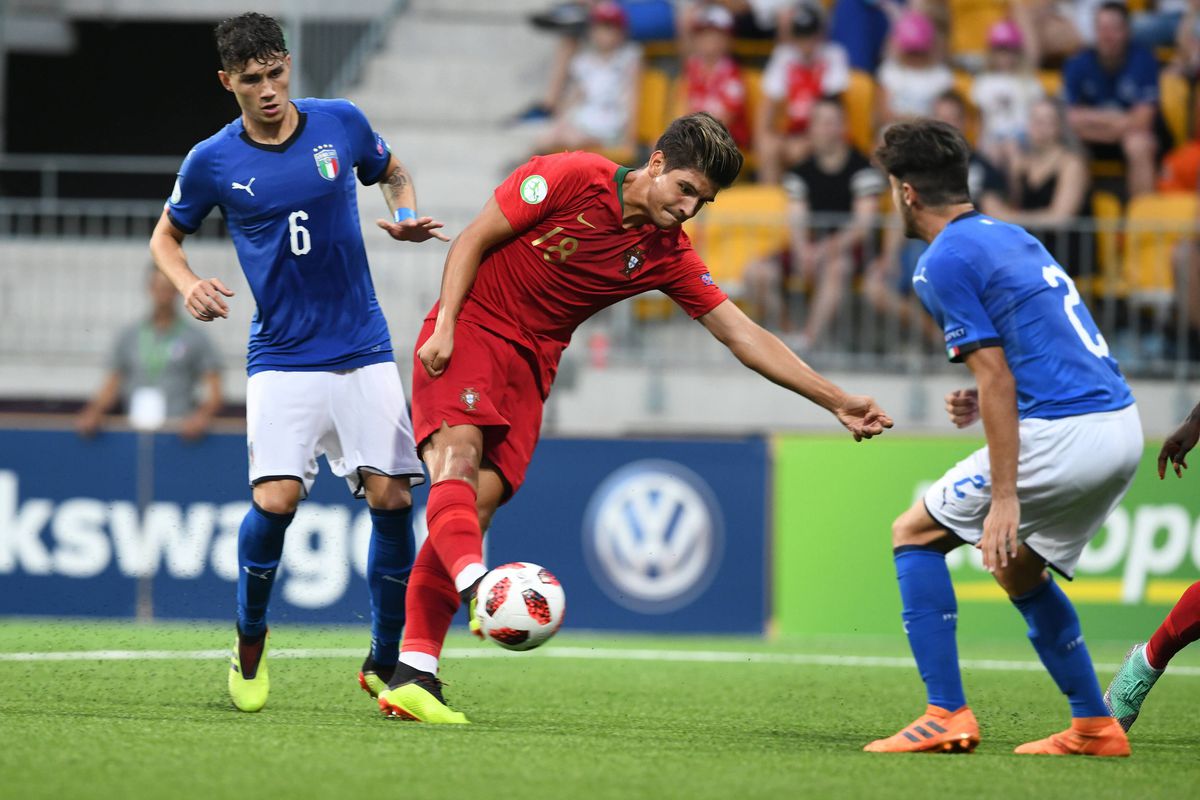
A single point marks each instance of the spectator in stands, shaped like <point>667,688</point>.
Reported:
<point>1157,26</point>
<point>1187,43</point>
<point>1112,91</point>
<point>752,19</point>
<point>832,207</point>
<point>157,367</point>
<point>915,74</point>
<point>712,80</point>
<point>600,111</point>
<point>888,281</point>
<point>800,71</point>
<point>1006,90</point>
<point>1049,192</point>
<point>861,27</point>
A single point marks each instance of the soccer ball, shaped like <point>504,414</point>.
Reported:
<point>519,605</point>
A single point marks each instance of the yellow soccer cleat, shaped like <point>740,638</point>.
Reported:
<point>249,682</point>
<point>936,731</point>
<point>373,677</point>
<point>417,696</point>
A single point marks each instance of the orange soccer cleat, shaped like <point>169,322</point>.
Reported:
<point>935,731</point>
<point>1087,736</point>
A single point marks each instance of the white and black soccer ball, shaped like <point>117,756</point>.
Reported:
<point>519,605</point>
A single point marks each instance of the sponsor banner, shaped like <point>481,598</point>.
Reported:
<point>637,531</point>
<point>835,502</point>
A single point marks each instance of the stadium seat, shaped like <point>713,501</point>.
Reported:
<point>748,222</point>
<point>1173,99</point>
<point>1154,224</point>
<point>859,101</point>
<point>654,114</point>
<point>969,24</point>
<point>1106,213</point>
<point>1051,82</point>
<point>963,81</point>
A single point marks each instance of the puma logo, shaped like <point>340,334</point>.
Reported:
<point>245,186</point>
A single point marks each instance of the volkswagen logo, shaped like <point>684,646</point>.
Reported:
<point>652,536</point>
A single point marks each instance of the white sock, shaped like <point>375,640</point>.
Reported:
<point>420,661</point>
<point>468,575</point>
<point>1146,660</point>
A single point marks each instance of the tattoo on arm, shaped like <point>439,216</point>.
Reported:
<point>394,187</point>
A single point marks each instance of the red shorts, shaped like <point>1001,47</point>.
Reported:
<point>490,383</point>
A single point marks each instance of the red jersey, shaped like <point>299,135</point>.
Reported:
<point>570,258</point>
<point>720,91</point>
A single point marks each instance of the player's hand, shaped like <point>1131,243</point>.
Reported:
<point>88,422</point>
<point>963,407</point>
<point>999,542</point>
<point>435,353</point>
<point>418,229</point>
<point>1177,446</point>
<point>862,417</point>
<point>203,299</point>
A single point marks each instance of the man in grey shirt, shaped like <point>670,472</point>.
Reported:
<point>156,367</point>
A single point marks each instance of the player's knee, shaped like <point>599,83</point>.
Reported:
<point>904,532</point>
<point>387,493</point>
<point>278,497</point>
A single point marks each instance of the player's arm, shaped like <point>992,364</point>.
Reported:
<point>764,353</point>
<point>489,229</point>
<point>997,398</point>
<point>202,297</point>
<point>401,197</point>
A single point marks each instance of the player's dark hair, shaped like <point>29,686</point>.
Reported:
<point>699,141</point>
<point>1116,6</point>
<point>930,155</point>
<point>249,37</point>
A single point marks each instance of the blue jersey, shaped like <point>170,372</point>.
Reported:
<point>989,284</point>
<point>292,211</point>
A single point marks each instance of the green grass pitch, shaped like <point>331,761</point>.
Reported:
<point>545,726</point>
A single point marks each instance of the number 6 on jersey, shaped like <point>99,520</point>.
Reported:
<point>301,241</point>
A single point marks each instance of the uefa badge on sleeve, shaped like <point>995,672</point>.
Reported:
<point>327,161</point>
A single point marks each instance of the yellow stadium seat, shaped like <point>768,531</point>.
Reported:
<point>969,24</point>
<point>1154,224</point>
<point>654,105</point>
<point>745,224</point>
<point>859,101</point>
<point>963,81</point>
<point>1173,99</point>
<point>1051,82</point>
<point>1106,213</point>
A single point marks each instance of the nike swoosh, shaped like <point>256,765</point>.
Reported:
<point>585,222</point>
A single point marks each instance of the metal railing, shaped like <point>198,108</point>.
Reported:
<point>65,292</point>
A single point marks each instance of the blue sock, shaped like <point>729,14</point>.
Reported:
<point>1057,638</point>
<point>931,622</point>
<point>389,562</point>
<point>260,545</point>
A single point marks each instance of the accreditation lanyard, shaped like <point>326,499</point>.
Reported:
<point>154,351</point>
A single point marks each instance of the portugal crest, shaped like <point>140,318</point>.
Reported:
<point>634,259</point>
<point>469,398</point>
<point>327,161</point>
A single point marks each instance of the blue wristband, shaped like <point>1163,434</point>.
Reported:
<point>401,214</point>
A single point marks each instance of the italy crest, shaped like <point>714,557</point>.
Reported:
<point>327,161</point>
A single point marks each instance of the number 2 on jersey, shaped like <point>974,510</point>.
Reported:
<point>1054,275</point>
<point>301,241</point>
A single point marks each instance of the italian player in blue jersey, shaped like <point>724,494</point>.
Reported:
<point>1063,443</point>
<point>322,376</point>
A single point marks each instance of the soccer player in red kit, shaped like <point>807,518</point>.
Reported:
<point>563,237</point>
<point>1145,662</point>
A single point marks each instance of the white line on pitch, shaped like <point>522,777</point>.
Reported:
<point>583,653</point>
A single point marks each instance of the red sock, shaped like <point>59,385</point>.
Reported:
<point>1179,629</point>
<point>454,525</point>
<point>429,605</point>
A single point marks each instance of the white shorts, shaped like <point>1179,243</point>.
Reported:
<point>1071,473</point>
<point>356,418</point>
